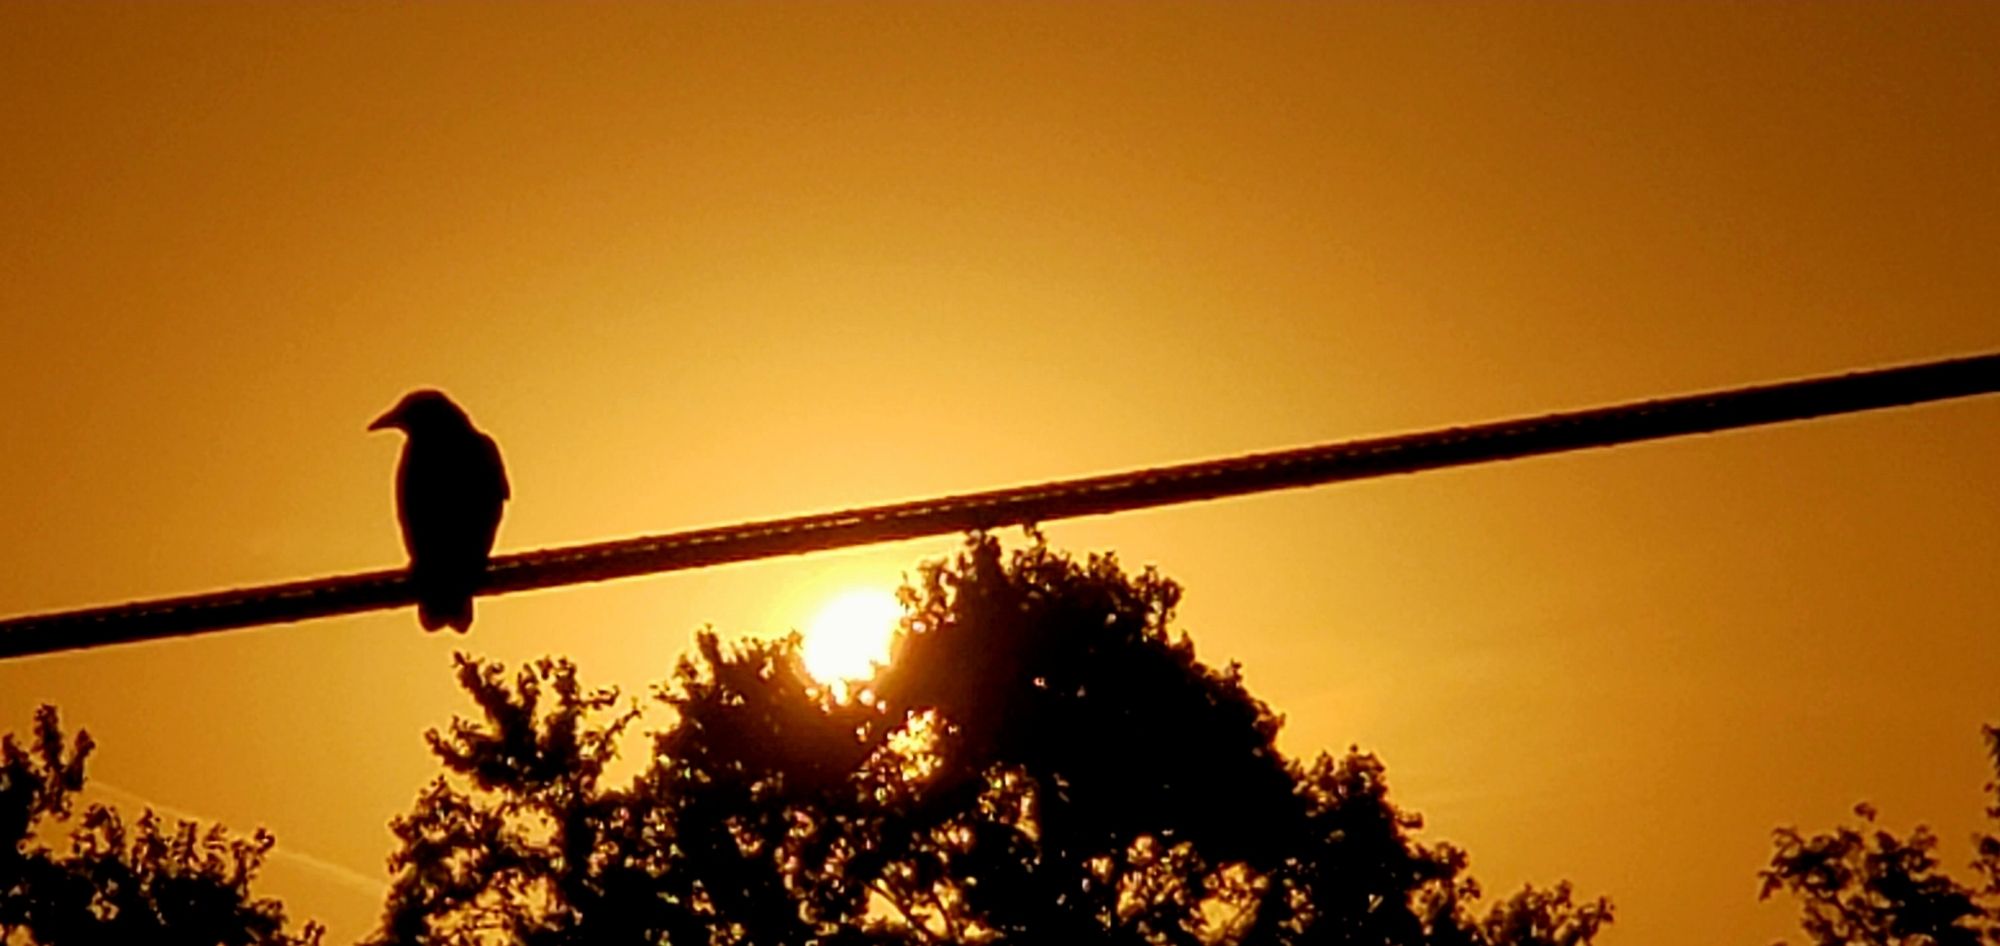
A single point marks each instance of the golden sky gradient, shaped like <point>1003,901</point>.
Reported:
<point>693,264</point>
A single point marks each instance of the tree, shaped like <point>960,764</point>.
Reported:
<point>1860,885</point>
<point>1042,761</point>
<point>116,882</point>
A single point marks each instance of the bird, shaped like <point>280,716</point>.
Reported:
<point>450,488</point>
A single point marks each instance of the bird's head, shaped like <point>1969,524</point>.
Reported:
<point>420,411</point>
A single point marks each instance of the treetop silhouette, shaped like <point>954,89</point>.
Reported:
<point>114,881</point>
<point>1045,760</point>
<point>1863,884</point>
<point>1042,761</point>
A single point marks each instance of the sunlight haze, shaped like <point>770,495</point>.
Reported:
<point>850,635</point>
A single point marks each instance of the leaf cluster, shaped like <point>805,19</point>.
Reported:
<point>1043,760</point>
<point>118,882</point>
<point>1862,885</point>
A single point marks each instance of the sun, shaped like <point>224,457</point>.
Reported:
<point>850,635</point>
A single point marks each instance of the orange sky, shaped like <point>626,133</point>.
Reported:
<point>694,264</point>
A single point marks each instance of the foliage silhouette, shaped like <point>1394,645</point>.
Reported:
<point>116,882</point>
<point>1865,886</point>
<point>1043,761</point>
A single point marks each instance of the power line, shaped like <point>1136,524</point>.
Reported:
<point>1097,495</point>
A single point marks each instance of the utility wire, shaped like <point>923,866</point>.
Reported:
<point>1097,495</point>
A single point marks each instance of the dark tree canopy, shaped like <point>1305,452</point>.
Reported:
<point>1861,885</point>
<point>1043,761</point>
<point>116,882</point>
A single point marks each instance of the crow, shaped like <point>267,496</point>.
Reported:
<point>450,486</point>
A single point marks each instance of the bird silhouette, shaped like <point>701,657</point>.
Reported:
<point>450,486</point>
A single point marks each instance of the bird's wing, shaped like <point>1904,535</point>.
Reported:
<point>451,496</point>
<point>490,453</point>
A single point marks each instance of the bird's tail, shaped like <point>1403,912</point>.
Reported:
<point>454,611</point>
<point>444,598</point>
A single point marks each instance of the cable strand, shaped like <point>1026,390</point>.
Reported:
<point>1097,495</point>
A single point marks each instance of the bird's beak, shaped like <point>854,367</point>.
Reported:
<point>392,419</point>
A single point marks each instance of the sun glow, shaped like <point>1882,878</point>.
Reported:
<point>851,635</point>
